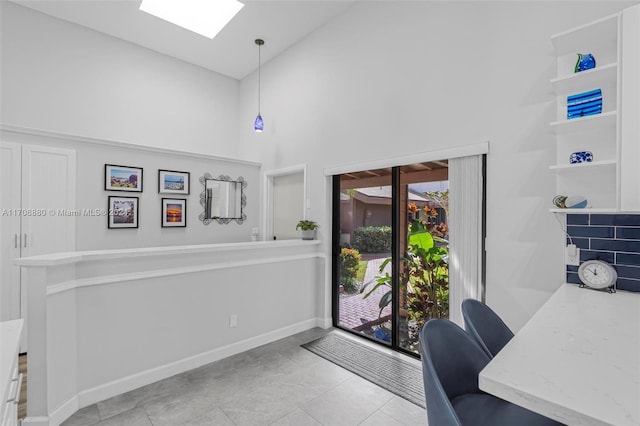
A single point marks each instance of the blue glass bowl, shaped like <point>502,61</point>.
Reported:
<point>581,157</point>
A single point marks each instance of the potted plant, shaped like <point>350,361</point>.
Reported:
<point>308,228</point>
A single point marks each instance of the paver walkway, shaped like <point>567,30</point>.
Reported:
<point>354,310</point>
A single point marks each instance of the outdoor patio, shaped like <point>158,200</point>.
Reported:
<point>354,310</point>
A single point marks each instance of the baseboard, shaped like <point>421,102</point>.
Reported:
<point>63,412</point>
<point>35,421</point>
<point>324,323</point>
<point>126,384</point>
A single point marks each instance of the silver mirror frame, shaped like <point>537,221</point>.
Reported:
<point>203,200</point>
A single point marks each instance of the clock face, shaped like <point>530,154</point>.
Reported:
<point>597,274</point>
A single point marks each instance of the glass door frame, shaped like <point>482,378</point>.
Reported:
<point>396,257</point>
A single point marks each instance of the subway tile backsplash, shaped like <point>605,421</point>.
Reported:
<point>614,238</point>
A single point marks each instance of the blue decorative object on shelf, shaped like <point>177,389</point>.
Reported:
<point>585,103</point>
<point>575,202</point>
<point>581,157</point>
<point>570,202</point>
<point>585,61</point>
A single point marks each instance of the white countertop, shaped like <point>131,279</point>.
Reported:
<point>10,332</point>
<point>577,360</point>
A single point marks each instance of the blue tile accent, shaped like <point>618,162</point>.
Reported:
<point>607,256</point>
<point>628,246</point>
<point>627,259</point>
<point>623,233</point>
<point>627,220</point>
<point>602,219</point>
<point>581,243</point>
<point>573,278</point>
<point>592,231</point>
<point>628,271</point>
<point>627,284</point>
<point>615,219</point>
<point>613,238</point>
<point>577,219</point>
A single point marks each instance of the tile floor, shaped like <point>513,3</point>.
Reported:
<point>277,384</point>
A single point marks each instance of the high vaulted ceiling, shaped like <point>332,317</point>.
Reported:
<point>232,52</point>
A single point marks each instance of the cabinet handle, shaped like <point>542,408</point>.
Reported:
<point>25,240</point>
<point>15,240</point>
<point>16,399</point>
<point>15,390</point>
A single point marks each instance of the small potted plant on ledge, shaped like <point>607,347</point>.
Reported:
<point>308,228</point>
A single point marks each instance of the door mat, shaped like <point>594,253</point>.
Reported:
<point>394,374</point>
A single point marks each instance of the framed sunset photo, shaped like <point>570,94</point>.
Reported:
<point>173,182</point>
<point>122,178</point>
<point>174,213</point>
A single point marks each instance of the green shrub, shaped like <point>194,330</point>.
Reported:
<point>372,239</point>
<point>349,262</point>
<point>350,285</point>
<point>349,265</point>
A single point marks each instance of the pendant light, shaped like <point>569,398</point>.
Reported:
<point>258,124</point>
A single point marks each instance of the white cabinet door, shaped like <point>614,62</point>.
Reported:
<point>49,186</point>
<point>38,183</point>
<point>10,232</point>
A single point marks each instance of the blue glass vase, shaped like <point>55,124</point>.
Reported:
<point>586,61</point>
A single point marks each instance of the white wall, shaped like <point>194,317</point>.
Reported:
<point>383,79</point>
<point>393,78</point>
<point>92,232</point>
<point>105,324</point>
<point>63,77</point>
<point>60,77</point>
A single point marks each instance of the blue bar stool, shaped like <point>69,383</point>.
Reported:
<point>485,326</point>
<point>451,362</point>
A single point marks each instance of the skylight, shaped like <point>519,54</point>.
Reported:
<point>205,17</point>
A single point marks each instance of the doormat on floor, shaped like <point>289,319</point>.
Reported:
<point>394,374</point>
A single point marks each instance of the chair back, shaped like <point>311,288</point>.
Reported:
<point>451,362</point>
<point>485,326</point>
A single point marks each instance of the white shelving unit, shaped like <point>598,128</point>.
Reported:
<point>584,124</point>
<point>581,166</point>
<point>574,82</point>
<point>598,181</point>
<point>611,183</point>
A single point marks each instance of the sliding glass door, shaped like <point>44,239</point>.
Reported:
<point>363,286</point>
<point>391,251</point>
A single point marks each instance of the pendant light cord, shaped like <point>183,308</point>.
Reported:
<point>259,42</point>
<point>258,124</point>
<point>259,66</point>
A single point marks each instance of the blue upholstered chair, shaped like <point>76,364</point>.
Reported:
<point>485,326</point>
<point>451,362</point>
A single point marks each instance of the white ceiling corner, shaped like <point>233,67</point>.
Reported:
<point>232,52</point>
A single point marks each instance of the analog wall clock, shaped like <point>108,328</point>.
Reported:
<point>598,274</point>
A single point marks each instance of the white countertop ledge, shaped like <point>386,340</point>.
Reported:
<point>66,258</point>
<point>577,360</point>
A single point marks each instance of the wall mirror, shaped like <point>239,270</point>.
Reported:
<point>223,199</point>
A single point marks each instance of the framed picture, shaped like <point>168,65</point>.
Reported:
<point>174,213</point>
<point>122,178</point>
<point>173,182</point>
<point>123,212</point>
